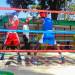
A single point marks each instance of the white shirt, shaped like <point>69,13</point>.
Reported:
<point>24,15</point>
<point>26,27</point>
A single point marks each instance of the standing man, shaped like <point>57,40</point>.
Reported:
<point>49,38</point>
<point>12,39</point>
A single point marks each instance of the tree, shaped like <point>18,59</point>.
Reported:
<point>19,3</point>
<point>44,4</point>
<point>52,5</point>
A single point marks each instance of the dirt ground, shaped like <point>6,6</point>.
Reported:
<point>42,70</point>
<point>68,68</point>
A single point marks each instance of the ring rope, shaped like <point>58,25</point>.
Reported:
<point>55,35</point>
<point>37,51</point>
<point>40,31</point>
<point>32,10</point>
<point>60,45</point>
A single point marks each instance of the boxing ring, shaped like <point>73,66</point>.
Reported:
<point>57,59</point>
<point>39,31</point>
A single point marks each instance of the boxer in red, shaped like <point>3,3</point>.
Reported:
<point>12,38</point>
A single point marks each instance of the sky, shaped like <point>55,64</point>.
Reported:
<point>4,4</point>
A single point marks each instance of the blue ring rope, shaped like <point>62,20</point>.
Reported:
<point>39,31</point>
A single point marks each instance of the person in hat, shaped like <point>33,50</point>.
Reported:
<point>48,38</point>
<point>12,39</point>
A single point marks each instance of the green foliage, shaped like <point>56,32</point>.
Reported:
<point>72,7</point>
<point>5,73</point>
<point>19,3</point>
<point>44,4</point>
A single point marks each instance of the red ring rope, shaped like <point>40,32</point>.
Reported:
<point>54,11</point>
<point>37,51</point>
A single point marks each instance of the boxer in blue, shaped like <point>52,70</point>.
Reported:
<point>48,38</point>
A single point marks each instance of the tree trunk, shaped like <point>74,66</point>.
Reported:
<point>54,5</point>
